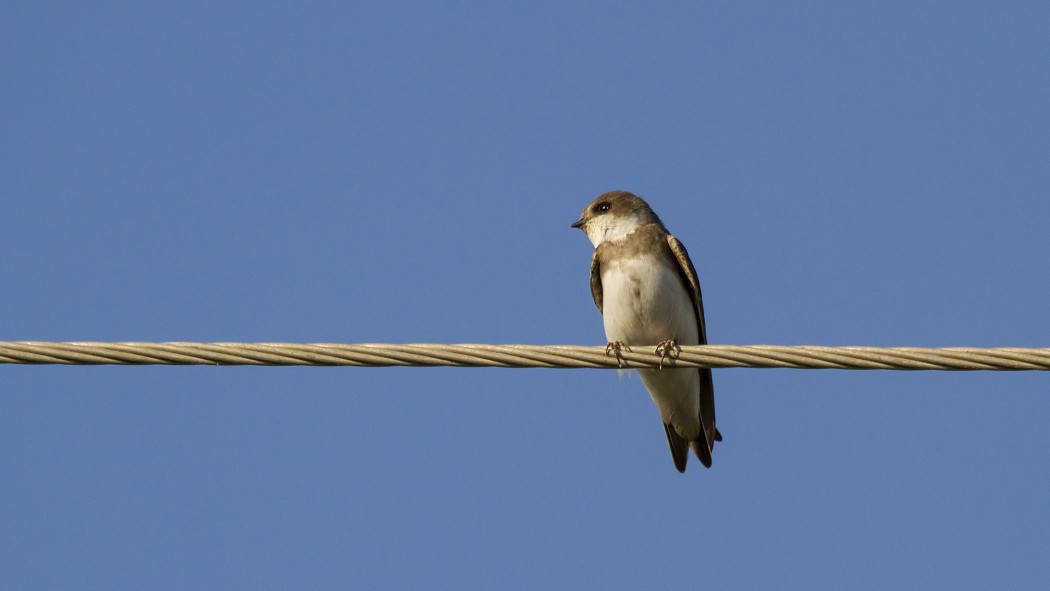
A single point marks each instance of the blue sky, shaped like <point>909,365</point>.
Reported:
<point>842,174</point>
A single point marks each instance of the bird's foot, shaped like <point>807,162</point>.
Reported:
<point>668,350</point>
<point>617,347</point>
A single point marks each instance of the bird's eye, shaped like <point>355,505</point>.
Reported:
<point>603,206</point>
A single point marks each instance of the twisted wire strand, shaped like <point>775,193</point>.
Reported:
<point>522,356</point>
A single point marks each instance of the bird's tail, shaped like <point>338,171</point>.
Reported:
<point>703,450</point>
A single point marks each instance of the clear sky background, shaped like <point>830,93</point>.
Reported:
<point>843,173</point>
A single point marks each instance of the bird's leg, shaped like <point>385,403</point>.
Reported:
<point>617,347</point>
<point>668,349</point>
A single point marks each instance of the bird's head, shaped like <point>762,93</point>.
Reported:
<point>613,216</point>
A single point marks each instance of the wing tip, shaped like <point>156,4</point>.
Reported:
<point>679,448</point>
<point>702,451</point>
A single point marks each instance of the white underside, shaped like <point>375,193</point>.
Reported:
<point>610,228</point>
<point>643,304</point>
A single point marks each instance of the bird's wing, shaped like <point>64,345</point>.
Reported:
<point>679,448</point>
<point>707,388</point>
<point>596,281</point>
<point>692,282</point>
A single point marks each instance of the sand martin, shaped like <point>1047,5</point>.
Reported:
<point>647,290</point>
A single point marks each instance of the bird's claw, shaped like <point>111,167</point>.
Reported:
<point>668,349</point>
<point>617,347</point>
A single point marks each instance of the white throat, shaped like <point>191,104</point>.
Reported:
<point>610,228</point>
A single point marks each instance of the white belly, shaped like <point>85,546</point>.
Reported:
<point>644,303</point>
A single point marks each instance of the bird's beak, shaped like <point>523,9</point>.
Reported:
<point>579,223</point>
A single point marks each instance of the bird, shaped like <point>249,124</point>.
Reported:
<point>648,292</point>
